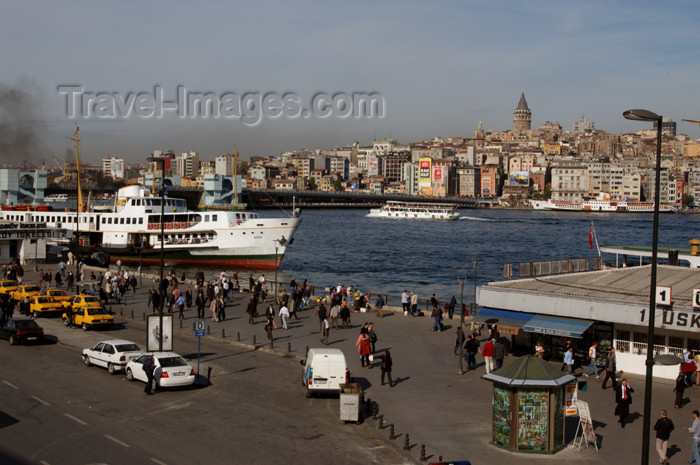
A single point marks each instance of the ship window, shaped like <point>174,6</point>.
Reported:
<point>206,217</point>
<point>104,220</point>
<point>238,216</point>
<point>128,221</point>
<point>213,217</point>
<point>109,220</point>
<point>121,221</point>
<point>140,220</point>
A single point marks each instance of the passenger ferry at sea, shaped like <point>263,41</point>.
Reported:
<point>56,198</point>
<point>415,210</point>
<point>132,231</point>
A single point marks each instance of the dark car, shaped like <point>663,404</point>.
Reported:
<point>21,330</point>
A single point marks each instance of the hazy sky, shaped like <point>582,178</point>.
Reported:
<point>441,67</point>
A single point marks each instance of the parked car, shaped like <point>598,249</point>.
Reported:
<point>43,305</point>
<point>25,290</point>
<point>113,355</point>
<point>81,301</point>
<point>57,294</point>
<point>171,370</point>
<point>7,286</point>
<point>21,330</point>
<point>88,317</point>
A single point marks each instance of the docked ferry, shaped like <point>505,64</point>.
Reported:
<point>600,204</point>
<point>415,210</point>
<point>132,231</point>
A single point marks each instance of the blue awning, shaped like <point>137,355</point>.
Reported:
<point>557,326</point>
<point>508,322</point>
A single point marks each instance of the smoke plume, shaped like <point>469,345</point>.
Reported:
<point>21,121</point>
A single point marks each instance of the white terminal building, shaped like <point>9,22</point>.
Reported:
<point>609,306</point>
<point>113,167</point>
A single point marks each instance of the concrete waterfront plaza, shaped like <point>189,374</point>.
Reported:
<point>450,413</point>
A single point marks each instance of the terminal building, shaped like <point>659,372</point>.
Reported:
<point>608,306</point>
<point>27,242</point>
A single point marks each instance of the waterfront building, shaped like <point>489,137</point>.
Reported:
<point>187,164</point>
<point>22,186</point>
<point>257,172</point>
<point>224,164</point>
<point>469,181</point>
<point>409,177</point>
<point>491,180</point>
<point>569,181</point>
<point>608,306</point>
<point>583,125</point>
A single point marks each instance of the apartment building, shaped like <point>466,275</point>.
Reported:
<point>569,181</point>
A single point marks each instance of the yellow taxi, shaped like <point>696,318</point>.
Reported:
<point>44,305</point>
<point>81,301</point>
<point>7,286</point>
<point>25,290</point>
<point>88,318</point>
<point>57,294</point>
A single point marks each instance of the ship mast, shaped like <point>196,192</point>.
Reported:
<point>79,207</point>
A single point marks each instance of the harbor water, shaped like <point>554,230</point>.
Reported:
<point>387,256</point>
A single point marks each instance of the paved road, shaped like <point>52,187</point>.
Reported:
<point>450,414</point>
<point>56,411</point>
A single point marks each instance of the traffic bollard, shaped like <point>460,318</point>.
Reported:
<point>238,336</point>
<point>392,436</point>
<point>209,330</point>
<point>180,324</point>
<point>375,411</point>
<point>223,333</point>
<point>289,347</point>
<point>254,341</point>
<point>132,313</point>
<point>422,453</point>
<point>380,424</point>
<point>406,445</point>
<point>209,375</point>
<point>121,311</point>
<point>439,458</point>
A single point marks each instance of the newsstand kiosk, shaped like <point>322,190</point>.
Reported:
<point>528,406</point>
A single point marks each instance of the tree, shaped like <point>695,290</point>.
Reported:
<point>338,185</point>
<point>311,184</point>
<point>688,200</point>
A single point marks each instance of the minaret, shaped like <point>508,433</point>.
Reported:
<point>522,116</point>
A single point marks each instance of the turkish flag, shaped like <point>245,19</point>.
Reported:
<point>590,237</point>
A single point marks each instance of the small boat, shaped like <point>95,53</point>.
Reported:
<point>415,211</point>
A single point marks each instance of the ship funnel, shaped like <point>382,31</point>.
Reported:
<point>694,246</point>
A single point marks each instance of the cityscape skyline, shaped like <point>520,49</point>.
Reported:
<point>439,70</point>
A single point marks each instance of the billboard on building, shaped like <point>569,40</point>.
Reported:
<point>372,165</point>
<point>519,178</point>
<point>425,176</point>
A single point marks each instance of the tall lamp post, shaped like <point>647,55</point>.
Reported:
<point>645,115</point>
<point>161,290</point>
<point>462,275</point>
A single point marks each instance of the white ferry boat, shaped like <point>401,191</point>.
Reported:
<point>56,198</point>
<point>415,210</point>
<point>600,204</point>
<point>133,229</point>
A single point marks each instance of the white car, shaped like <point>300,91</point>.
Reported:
<point>171,370</point>
<point>113,355</point>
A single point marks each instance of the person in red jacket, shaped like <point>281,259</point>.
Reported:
<point>487,353</point>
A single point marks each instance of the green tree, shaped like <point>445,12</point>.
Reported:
<point>688,200</point>
<point>311,184</point>
<point>338,185</point>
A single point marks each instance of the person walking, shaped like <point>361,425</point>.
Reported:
<point>472,348</point>
<point>679,389</point>
<point>569,359</point>
<point>694,431</point>
<point>663,428</point>
<point>269,326</point>
<point>592,355</point>
<point>284,315</point>
<point>345,315</point>
<point>437,319</point>
<point>149,367</point>
<point>414,303</point>
<point>326,329</point>
<point>451,307</point>
<point>221,308</point>
<point>181,307</point>
<point>372,336</point>
<point>499,354</point>
<point>199,303</point>
<point>610,369</point>
<point>386,367</point>
<point>335,311</point>
<point>364,347</point>
<point>321,314</point>
<point>487,353</point>
<point>623,399</point>
<point>379,304</point>
<point>251,310</point>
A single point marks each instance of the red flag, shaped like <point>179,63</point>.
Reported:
<point>590,237</point>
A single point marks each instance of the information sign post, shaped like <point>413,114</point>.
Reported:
<point>199,331</point>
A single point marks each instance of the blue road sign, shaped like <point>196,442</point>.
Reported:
<point>199,328</point>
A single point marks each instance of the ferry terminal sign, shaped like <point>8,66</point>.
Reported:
<point>33,234</point>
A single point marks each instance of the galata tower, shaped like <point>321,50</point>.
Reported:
<point>522,116</point>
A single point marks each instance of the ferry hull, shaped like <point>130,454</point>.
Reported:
<point>265,262</point>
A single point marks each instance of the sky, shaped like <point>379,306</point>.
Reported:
<point>438,68</point>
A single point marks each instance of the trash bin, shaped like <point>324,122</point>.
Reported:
<point>349,402</point>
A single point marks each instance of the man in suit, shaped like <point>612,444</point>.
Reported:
<point>623,399</point>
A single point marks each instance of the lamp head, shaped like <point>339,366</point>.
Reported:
<point>641,115</point>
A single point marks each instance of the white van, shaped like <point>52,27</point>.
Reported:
<point>324,371</point>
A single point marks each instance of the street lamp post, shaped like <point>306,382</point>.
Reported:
<point>645,115</point>
<point>461,319</point>
<point>162,240</point>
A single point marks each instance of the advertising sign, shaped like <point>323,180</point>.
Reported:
<point>372,165</point>
<point>519,178</point>
<point>154,332</point>
<point>437,173</point>
<point>425,176</point>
